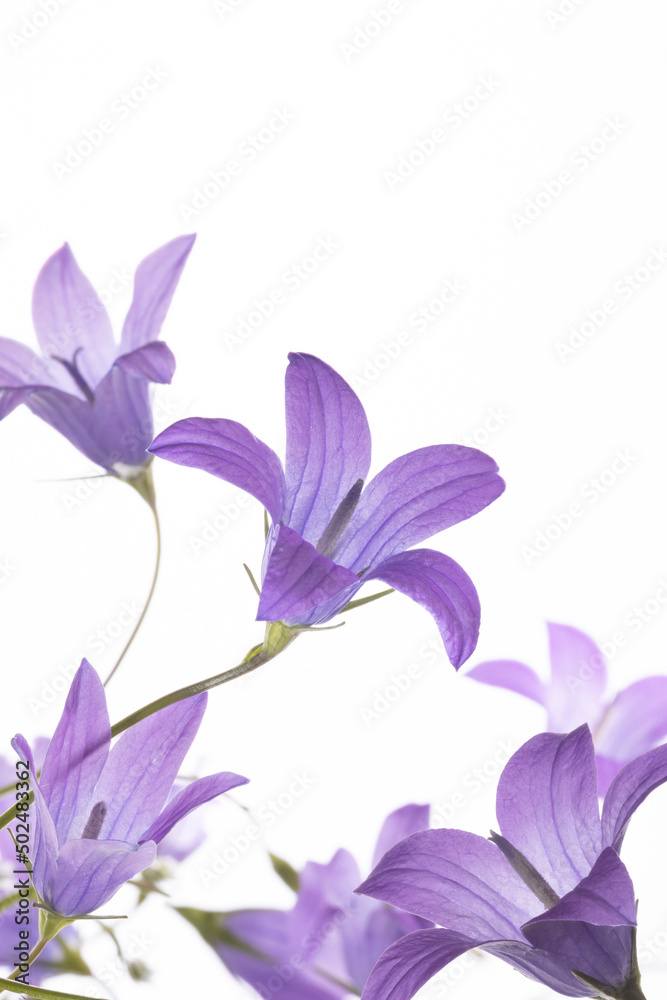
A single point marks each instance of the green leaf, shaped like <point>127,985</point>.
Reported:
<point>38,991</point>
<point>289,875</point>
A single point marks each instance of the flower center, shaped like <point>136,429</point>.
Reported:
<point>95,821</point>
<point>528,874</point>
<point>340,520</point>
<point>76,375</point>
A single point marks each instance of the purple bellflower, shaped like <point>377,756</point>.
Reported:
<point>326,945</point>
<point>548,894</point>
<point>623,727</point>
<point>93,391</point>
<point>331,533</point>
<point>99,810</point>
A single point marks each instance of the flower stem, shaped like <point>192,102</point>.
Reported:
<point>148,599</point>
<point>277,638</point>
<point>41,944</point>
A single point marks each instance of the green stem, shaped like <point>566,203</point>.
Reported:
<point>148,599</point>
<point>41,944</point>
<point>277,638</point>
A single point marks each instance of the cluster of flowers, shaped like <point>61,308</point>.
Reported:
<point>548,894</point>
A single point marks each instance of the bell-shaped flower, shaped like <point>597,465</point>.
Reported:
<point>100,811</point>
<point>623,727</point>
<point>331,533</point>
<point>92,390</point>
<point>548,894</point>
<point>326,945</point>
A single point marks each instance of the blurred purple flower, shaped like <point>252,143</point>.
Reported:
<point>549,895</point>
<point>328,943</point>
<point>331,534</point>
<point>90,389</point>
<point>623,727</point>
<point>100,811</point>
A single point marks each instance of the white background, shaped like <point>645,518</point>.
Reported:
<point>73,554</point>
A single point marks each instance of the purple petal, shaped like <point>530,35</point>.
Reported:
<point>547,806</point>
<point>229,451</point>
<point>442,587</point>
<point>155,282</point>
<point>266,931</point>
<point>628,790</point>
<point>328,444</point>
<point>606,897</point>
<point>77,754</point>
<point>590,928</point>
<point>414,497</point>
<point>20,367</point>
<point>90,872</point>
<point>153,361</point>
<point>298,579</point>
<point>455,879</point>
<point>70,320</point>
<point>578,679</point>
<point>398,825</point>
<point>375,929</point>
<point>116,428</point>
<point>44,847</point>
<point>414,959</point>
<point>510,674</point>
<point>142,767</point>
<point>189,798</point>
<point>635,721</point>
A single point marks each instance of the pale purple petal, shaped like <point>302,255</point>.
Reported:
<point>414,497</point>
<point>70,320</point>
<point>414,959</point>
<point>229,451</point>
<point>374,929</point>
<point>77,754</point>
<point>299,579</point>
<point>266,932</point>
<point>20,367</point>
<point>142,767</point>
<point>547,806</point>
<point>90,872</point>
<point>155,282</point>
<point>578,680</point>
<point>635,721</point>
<point>325,900</point>
<point>328,444</point>
<point>153,361</point>
<point>398,825</point>
<point>512,675</point>
<point>442,587</point>
<point>455,879</point>
<point>628,790</point>
<point>44,846</point>
<point>189,798</point>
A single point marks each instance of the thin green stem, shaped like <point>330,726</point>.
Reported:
<point>148,599</point>
<point>277,638</point>
<point>41,944</point>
